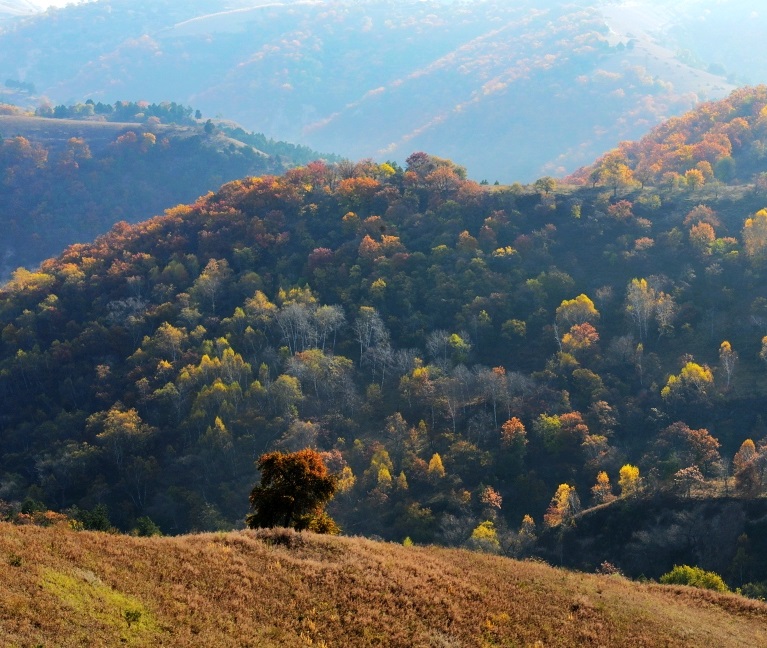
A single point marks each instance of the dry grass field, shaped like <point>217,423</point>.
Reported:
<point>278,588</point>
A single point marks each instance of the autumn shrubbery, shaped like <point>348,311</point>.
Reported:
<point>31,512</point>
<point>695,577</point>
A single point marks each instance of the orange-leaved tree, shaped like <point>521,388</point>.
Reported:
<point>294,489</point>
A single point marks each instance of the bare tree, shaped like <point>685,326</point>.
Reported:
<point>328,320</point>
<point>295,323</point>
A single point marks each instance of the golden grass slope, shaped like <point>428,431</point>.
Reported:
<point>279,588</point>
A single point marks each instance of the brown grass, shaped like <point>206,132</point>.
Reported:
<point>278,588</point>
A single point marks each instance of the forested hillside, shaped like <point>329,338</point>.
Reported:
<point>71,172</point>
<point>718,142</point>
<point>511,90</point>
<point>478,363</point>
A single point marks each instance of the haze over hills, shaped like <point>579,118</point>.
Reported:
<point>513,91</point>
<point>69,179</point>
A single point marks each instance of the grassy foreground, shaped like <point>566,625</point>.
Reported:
<point>279,588</point>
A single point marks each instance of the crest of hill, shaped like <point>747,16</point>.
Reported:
<point>54,134</point>
<point>724,140</point>
<point>279,588</point>
<point>92,165</point>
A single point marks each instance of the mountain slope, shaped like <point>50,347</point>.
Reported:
<point>512,91</point>
<point>201,338</point>
<point>69,180</point>
<point>459,353</point>
<point>645,535</point>
<point>724,140</point>
<point>278,588</point>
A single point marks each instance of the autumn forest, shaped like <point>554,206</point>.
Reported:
<point>480,365</point>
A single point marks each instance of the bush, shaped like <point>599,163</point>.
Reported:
<point>695,577</point>
<point>146,528</point>
<point>755,590</point>
<point>280,536</point>
<point>132,616</point>
<point>96,519</point>
<point>31,506</point>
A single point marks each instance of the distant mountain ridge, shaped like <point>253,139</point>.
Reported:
<point>512,92</point>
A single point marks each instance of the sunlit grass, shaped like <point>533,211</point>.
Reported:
<point>278,588</point>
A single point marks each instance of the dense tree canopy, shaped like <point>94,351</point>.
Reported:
<point>432,340</point>
<point>293,492</point>
<point>65,182</point>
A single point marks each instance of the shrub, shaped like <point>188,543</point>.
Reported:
<point>281,536</point>
<point>95,519</point>
<point>608,569</point>
<point>132,616</point>
<point>146,528</point>
<point>695,577</point>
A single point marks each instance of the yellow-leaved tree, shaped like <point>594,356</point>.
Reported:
<point>727,360</point>
<point>564,506</point>
<point>755,237</point>
<point>485,538</point>
<point>602,491</point>
<point>576,311</point>
<point>436,469</point>
<point>629,480</point>
<point>692,383</point>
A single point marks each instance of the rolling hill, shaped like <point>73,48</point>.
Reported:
<point>279,588</point>
<point>68,180</point>
<point>723,140</point>
<point>465,356</point>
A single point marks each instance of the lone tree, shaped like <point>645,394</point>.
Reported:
<point>294,489</point>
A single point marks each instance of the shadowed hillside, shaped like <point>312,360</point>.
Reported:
<point>278,588</point>
<point>66,180</point>
<point>645,537</point>
<point>466,357</point>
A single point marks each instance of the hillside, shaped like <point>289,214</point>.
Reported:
<point>282,589</point>
<point>68,180</point>
<point>476,363</point>
<point>512,91</point>
<point>645,535</point>
<point>718,142</point>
